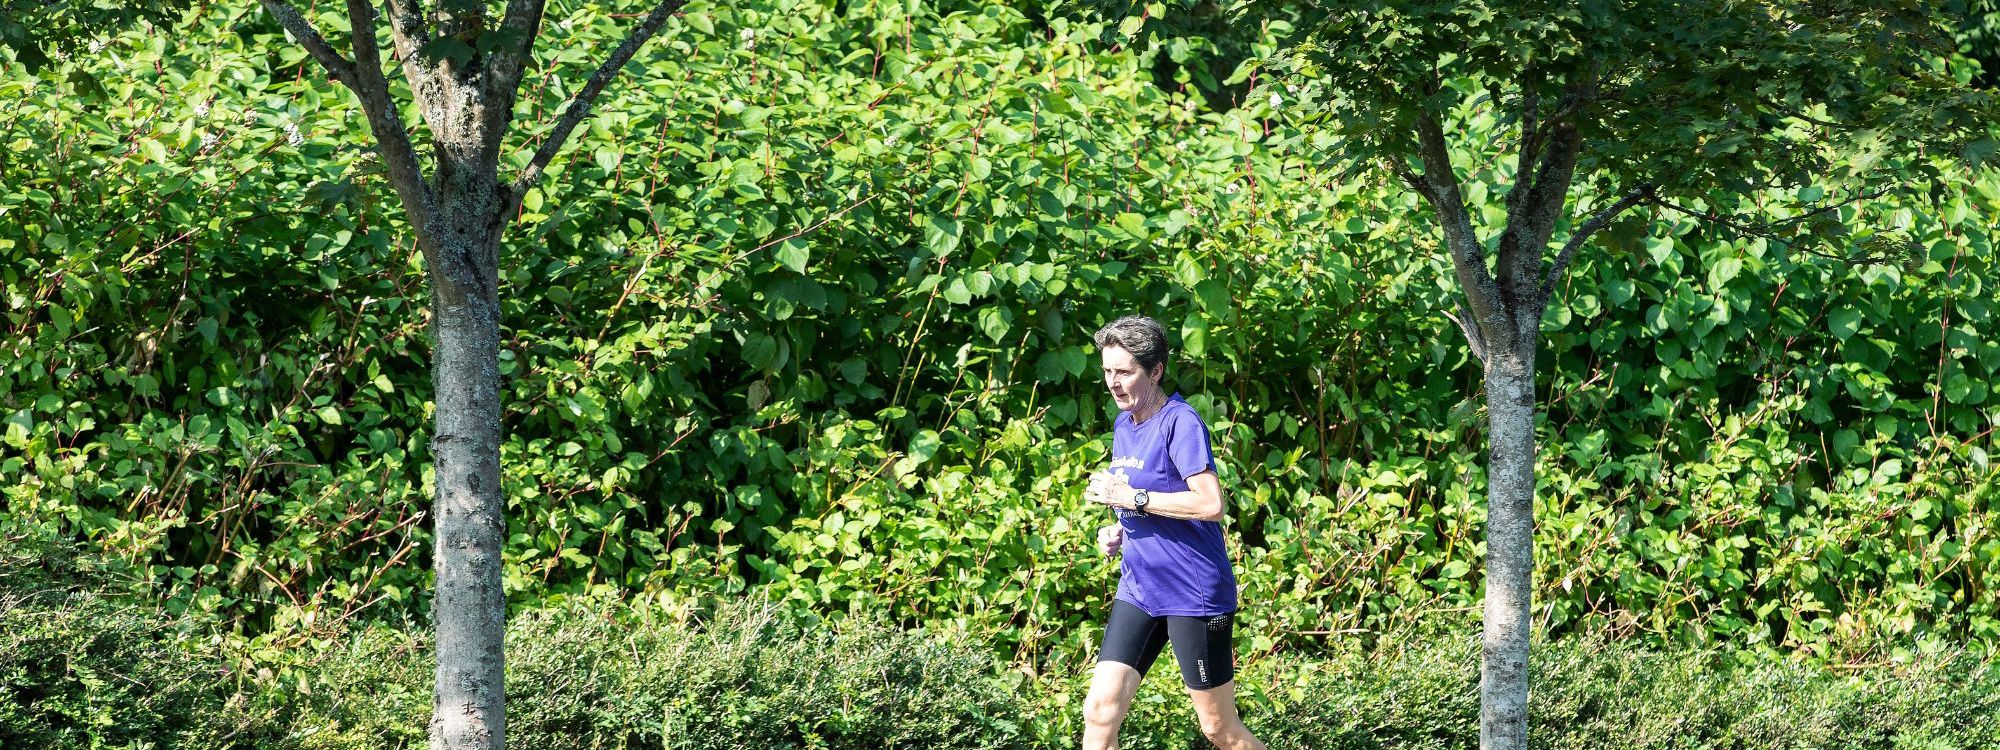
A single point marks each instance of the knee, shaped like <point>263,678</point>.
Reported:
<point>1103,710</point>
<point>1220,732</point>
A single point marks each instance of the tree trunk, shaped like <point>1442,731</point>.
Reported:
<point>457,216</point>
<point>1510,526</point>
<point>469,612</point>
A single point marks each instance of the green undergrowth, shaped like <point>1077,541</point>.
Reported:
<point>81,669</point>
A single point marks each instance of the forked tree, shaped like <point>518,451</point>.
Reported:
<point>462,61</point>
<point>1700,108</point>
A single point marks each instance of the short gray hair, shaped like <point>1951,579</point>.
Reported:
<point>1138,334</point>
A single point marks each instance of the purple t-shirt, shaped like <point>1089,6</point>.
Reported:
<point>1171,566</point>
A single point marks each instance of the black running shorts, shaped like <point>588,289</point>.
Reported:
<point>1201,644</point>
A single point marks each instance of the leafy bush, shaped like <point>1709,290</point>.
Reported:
<point>589,675</point>
<point>807,312</point>
<point>81,670</point>
<point>1588,694</point>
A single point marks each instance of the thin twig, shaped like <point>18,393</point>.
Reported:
<point>1597,222</point>
<point>579,105</point>
<point>301,29</point>
<point>1768,231</point>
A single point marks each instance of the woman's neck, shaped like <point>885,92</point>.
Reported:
<point>1150,407</point>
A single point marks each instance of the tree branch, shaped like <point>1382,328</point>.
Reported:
<point>336,66</point>
<point>1466,323</point>
<point>1769,231</point>
<point>1531,141</point>
<point>1553,163</point>
<point>1468,257</point>
<point>1537,201</point>
<point>1528,230</point>
<point>1781,109</point>
<point>1397,167</point>
<point>391,138</point>
<point>1597,222</point>
<point>524,17</point>
<point>579,105</point>
<point>408,30</point>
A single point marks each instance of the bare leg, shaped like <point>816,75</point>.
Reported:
<point>1216,707</point>
<point>1112,686</point>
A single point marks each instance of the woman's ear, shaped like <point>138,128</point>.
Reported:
<point>1159,373</point>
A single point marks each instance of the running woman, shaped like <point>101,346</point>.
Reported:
<point>1175,585</point>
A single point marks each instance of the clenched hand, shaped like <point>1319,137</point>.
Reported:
<point>1110,539</point>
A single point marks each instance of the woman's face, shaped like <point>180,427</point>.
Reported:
<point>1130,385</point>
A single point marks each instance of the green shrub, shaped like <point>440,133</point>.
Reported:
<point>596,675</point>
<point>807,311</point>
<point>79,669</point>
<point>1589,694</point>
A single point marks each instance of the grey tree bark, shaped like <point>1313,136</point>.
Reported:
<point>1510,527</point>
<point>459,212</point>
<point>1500,315</point>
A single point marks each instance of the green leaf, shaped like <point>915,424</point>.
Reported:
<point>447,48</point>
<point>1979,152</point>
<point>760,351</point>
<point>957,293</point>
<point>941,235</point>
<point>1214,296</point>
<point>1194,335</point>
<point>1133,225</point>
<point>1844,322</point>
<point>925,445</point>
<point>1960,389</point>
<point>996,321</point>
<point>794,254</point>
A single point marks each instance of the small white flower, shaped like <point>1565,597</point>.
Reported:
<point>96,46</point>
<point>1276,100</point>
<point>209,139</point>
<point>201,109</point>
<point>292,135</point>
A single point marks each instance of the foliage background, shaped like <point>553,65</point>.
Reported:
<point>805,316</point>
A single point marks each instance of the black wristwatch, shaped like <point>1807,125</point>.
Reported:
<point>1139,501</point>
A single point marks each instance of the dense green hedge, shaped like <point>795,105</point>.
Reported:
<point>80,670</point>
<point>806,312</point>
